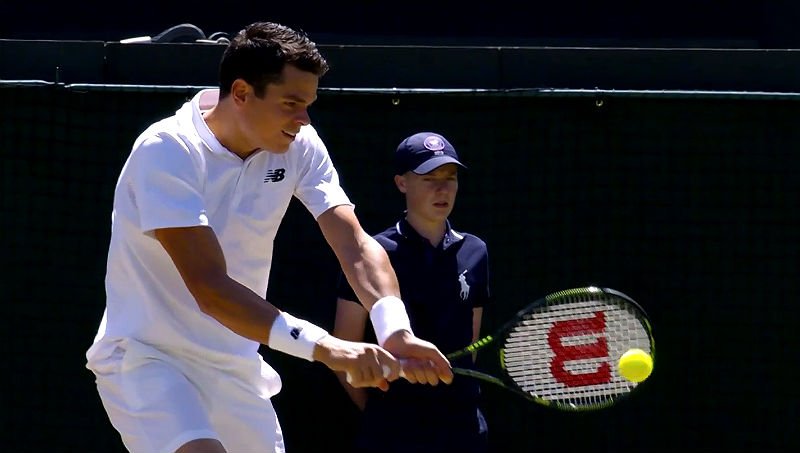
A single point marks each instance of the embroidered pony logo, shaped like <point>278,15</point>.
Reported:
<point>462,279</point>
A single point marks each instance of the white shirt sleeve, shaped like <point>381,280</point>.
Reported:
<point>318,188</point>
<point>166,185</point>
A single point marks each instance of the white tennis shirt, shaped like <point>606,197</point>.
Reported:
<point>179,175</point>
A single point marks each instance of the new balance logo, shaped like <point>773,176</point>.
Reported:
<point>275,175</point>
<point>295,333</point>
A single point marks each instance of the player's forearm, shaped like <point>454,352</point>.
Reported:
<point>368,270</point>
<point>370,273</point>
<point>236,307</point>
<point>375,283</point>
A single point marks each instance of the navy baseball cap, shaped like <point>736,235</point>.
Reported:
<point>423,152</point>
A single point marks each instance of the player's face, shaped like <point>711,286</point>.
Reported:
<point>431,196</point>
<point>272,122</point>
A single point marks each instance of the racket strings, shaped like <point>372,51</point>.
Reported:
<point>565,352</point>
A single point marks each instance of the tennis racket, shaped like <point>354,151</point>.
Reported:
<point>562,350</point>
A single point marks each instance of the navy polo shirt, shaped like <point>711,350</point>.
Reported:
<point>439,286</point>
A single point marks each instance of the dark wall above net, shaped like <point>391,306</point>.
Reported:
<point>499,68</point>
<point>676,23</point>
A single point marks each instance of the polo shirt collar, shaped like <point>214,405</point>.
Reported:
<point>451,236</point>
<point>193,112</point>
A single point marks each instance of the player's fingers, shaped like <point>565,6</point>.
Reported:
<point>432,374</point>
<point>373,374</point>
<point>408,370</point>
<point>419,372</point>
<point>383,384</point>
<point>367,378</point>
<point>426,375</point>
<point>392,371</point>
<point>383,369</point>
<point>390,367</point>
<point>444,372</point>
<point>440,366</point>
<point>357,378</point>
<point>368,372</point>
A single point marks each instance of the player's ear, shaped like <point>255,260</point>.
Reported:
<point>239,90</point>
<point>400,182</point>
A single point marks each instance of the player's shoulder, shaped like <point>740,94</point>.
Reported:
<point>307,131</point>
<point>164,132</point>
<point>164,143</point>
<point>309,138</point>
<point>307,145</point>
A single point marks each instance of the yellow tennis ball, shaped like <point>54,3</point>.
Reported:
<point>635,365</point>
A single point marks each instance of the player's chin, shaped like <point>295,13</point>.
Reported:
<point>279,146</point>
<point>442,210</point>
<point>279,143</point>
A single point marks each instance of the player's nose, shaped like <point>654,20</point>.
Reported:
<point>303,118</point>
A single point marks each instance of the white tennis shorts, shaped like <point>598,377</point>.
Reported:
<point>158,403</point>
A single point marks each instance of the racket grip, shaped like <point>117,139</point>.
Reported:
<point>386,372</point>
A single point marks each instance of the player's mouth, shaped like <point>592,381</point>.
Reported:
<point>290,135</point>
<point>441,204</point>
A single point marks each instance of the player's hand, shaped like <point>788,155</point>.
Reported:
<point>423,363</point>
<point>364,364</point>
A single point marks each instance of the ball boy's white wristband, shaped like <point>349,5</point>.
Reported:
<point>294,336</point>
<point>389,315</point>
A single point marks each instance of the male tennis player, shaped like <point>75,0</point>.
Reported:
<point>196,209</point>
<point>444,280</point>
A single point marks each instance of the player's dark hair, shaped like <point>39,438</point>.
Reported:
<point>259,52</point>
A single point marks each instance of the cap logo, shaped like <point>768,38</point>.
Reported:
<point>433,143</point>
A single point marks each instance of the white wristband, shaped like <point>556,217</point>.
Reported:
<point>295,336</point>
<point>389,315</point>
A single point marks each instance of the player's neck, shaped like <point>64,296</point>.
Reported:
<point>432,230</point>
<point>225,130</point>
